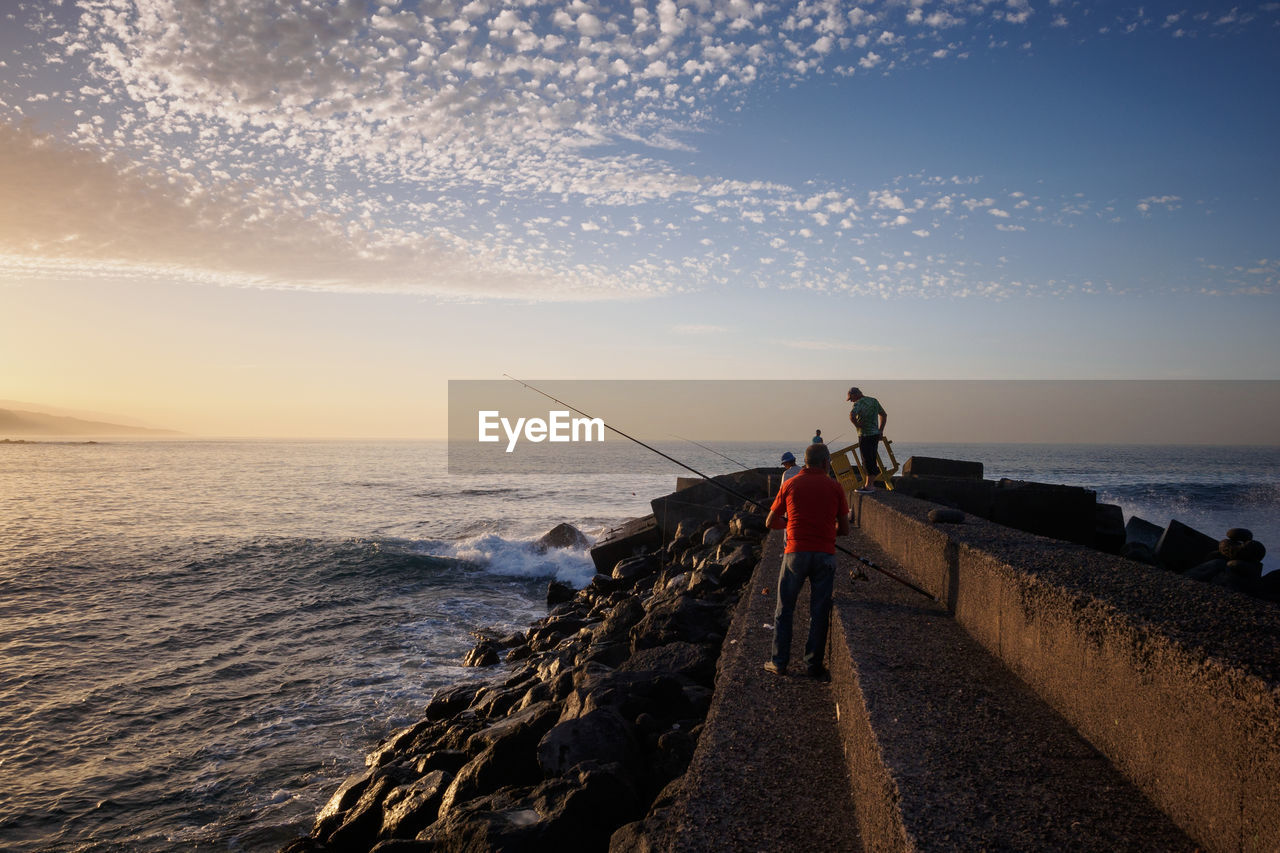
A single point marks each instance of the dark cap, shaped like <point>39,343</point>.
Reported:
<point>788,457</point>
<point>854,392</point>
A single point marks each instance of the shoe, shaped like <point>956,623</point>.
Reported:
<point>818,673</point>
<point>770,666</point>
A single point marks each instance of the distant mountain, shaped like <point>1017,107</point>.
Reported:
<point>17,422</point>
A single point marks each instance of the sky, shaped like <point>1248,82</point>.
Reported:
<point>305,218</point>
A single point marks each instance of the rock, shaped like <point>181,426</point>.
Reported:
<point>637,536</point>
<point>509,761</point>
<point>1253,550</point>
<point>946,516</point>
<point>448,760</point>
<point>449,701</point>
<point>581,811</point>
<point>1245,569</point>
<point>503,820</point>
<point>360,826</point>
<point>1240,534</point>
<point>601,735</point>
<point>402,845</point>
<point>1181,547</point>
<point>694,661</point>
<point>563,536</point>
<point>347,795</point>
<point>1230,548</point>
<point>485,653</point>
<point>417,805</point>
<point>559,593</point>
<point>679,617</point>
<point>637,566</point>
<point>713,535</point>
<point>748,524</point>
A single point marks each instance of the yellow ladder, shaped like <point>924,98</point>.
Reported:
<point>851,473</point>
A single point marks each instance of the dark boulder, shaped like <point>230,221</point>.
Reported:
<point>695,662</point>
<point>1253,550</point>
<point>601,735</point>
<point>411,808</point>
<point>563,536</point>
<point>503,820</point>
<point>449,701</point>
<point>360,826</point>
<point>1207,570</point>
<point>485,653</point>
<point>679,618</point>
<point>580,811</point>
<point>637,566</point>
<point>347,795</point>
<point>559,593</point>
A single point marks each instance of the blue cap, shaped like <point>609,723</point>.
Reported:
<point>788,457</point>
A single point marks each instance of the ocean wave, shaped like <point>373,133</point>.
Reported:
<point>520,558</point>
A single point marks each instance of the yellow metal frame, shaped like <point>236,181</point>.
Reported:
<point>852,473</point>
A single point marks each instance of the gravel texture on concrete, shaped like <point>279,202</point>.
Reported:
<point>769,773</point>
<point>976,760</point>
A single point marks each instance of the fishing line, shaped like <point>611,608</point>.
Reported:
<point>716,452</point>
<point>718,484</point>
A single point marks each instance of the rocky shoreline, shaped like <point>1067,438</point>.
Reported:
<point>582,745</point>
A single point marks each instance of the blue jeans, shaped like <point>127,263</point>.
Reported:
<point>820,569</point>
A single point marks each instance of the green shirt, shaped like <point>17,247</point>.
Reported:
<point>865,414</point>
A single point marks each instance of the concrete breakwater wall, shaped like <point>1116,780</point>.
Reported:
<point>1176,683</point>
<point>595,714</point>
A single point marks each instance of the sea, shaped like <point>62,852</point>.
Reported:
<point>199,640</point>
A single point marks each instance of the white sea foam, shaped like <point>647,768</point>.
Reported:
<point>520,558</point>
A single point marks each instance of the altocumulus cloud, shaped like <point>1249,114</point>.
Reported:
<point>472,149</point>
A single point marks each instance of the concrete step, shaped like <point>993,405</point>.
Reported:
<point>950,751</point>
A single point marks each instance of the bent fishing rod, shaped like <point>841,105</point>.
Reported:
<point>735,493</point>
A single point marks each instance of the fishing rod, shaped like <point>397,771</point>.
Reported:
<point>719,485</point>
<point>716,452</point>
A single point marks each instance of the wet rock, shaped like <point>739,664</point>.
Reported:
<point>503,820</point>
<point>692,660</point>
<point>635,567</point>
<point>448,760</point>
<point>485,653</point>
<point>347,795</point>
<point>412,808</point>
<point>563,536</point>
<point>450,701</point>
<point>581,811</point>
<point>509,761</point>
<point>559,593</point>
<point>678,618</point>
<point>601,735</point>
<point>713,535</point>
<point>360,826</point>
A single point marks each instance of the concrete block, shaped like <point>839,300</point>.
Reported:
<point>1108,528</point>
<point>715,499</point>
<point>929,466</point>
<point>1139,531</point>
<point>638,536</point>
<point>1182,547</point>
<point>972,496</point>
<point>1060,512</point>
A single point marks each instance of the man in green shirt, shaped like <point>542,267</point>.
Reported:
<point>869,417</point>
